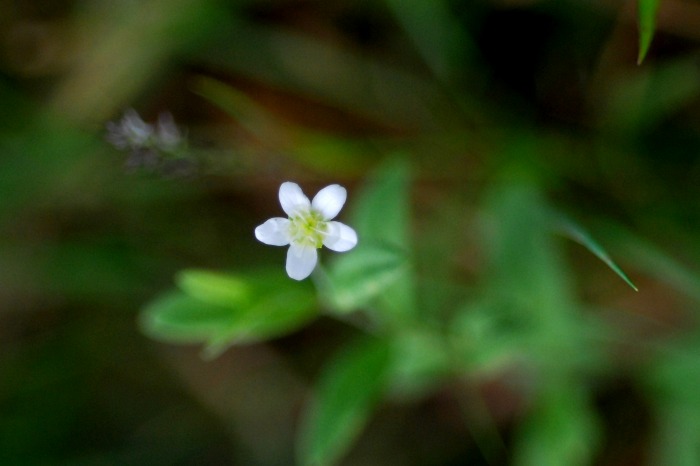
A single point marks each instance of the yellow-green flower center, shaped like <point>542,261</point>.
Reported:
<point>308,228</point>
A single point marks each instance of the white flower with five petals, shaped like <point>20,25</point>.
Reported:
<point>308,227</point>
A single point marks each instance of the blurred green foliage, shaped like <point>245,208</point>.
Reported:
<point>476,138</point>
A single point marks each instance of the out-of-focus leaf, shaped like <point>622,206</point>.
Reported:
<point>489,335</point>
<point>485,339</point>
<point>437,33</point>
<point>381,211</point>
<point>247,112</point>
<point>133,47</point>
<point>581,236</point>
<point>676,438</point>
<point>347,393</point>
<point>674,374</point>
<point>561,429</point>
<point>528,308</point>
<point>640,100</point>
<point>655,262</point>
<point>381,215</point>
<point>322,152</point>
<point>526,265</point>
<point>214,287</point>
<point>177,317</point>
<point>359,277</point>
<point>671,380</point>
<point>646,15</point>
<point>421,361</point>
<point>257,307</point>
<point>327,73</point>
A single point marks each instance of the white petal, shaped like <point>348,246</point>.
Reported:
<point>301,261</point>
<point>293,199</point>
<point>329,201</point>
<point>274,232</point>
<point>169,136</point>
<point>339,237</point>
<point>135,129</point>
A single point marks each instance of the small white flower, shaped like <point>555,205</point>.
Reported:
<point>168,135</point>
<point>131,132</point>
<point>308,227</point>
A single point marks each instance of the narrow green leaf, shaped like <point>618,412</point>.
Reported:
<point>249,114</point>
<point>657,263</point>
<point>437,34</point>
<point>646,15</point>
<point>527,267</point>
<point>649,97</point>
<point>347,393</point>
<point>347,80</point>
<point>576,233</point>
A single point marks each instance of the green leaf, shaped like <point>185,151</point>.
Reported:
<point>323,152</point>
<point>561,429</point>
<point>382,216</point>
<point>437,34</point>
<point>347,80</point>
<point>657,263</point>
<point>346,394</point>
<point>220,310</point>
<point>671,379</point>
<point>649,97</point>
<point>382,209</point>
<point>484,339</point>
<point>177,317</point>
<point>527,270</point>
<point>581,236</point>
<point>214,287</point>
<point>646,15</point>
<point>359,277</point>
<point>421,361</point>
<point>528,308</point>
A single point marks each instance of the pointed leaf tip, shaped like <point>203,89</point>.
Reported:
<point>646,16</point>
<point>581,236</point>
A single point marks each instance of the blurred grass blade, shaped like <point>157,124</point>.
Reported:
<point>657,263</point>
<point>136,42</point>
<point>671,380</point>
<point>252,116</point>
<point>576,233</point>
<point>323,152</point>
<point>346,395</point>
<point>438,36</point>
<point>641,100</point>
<point>646,15</point>
<point>526,264</point>
<point>325,72</point>
<point>560,430</point>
